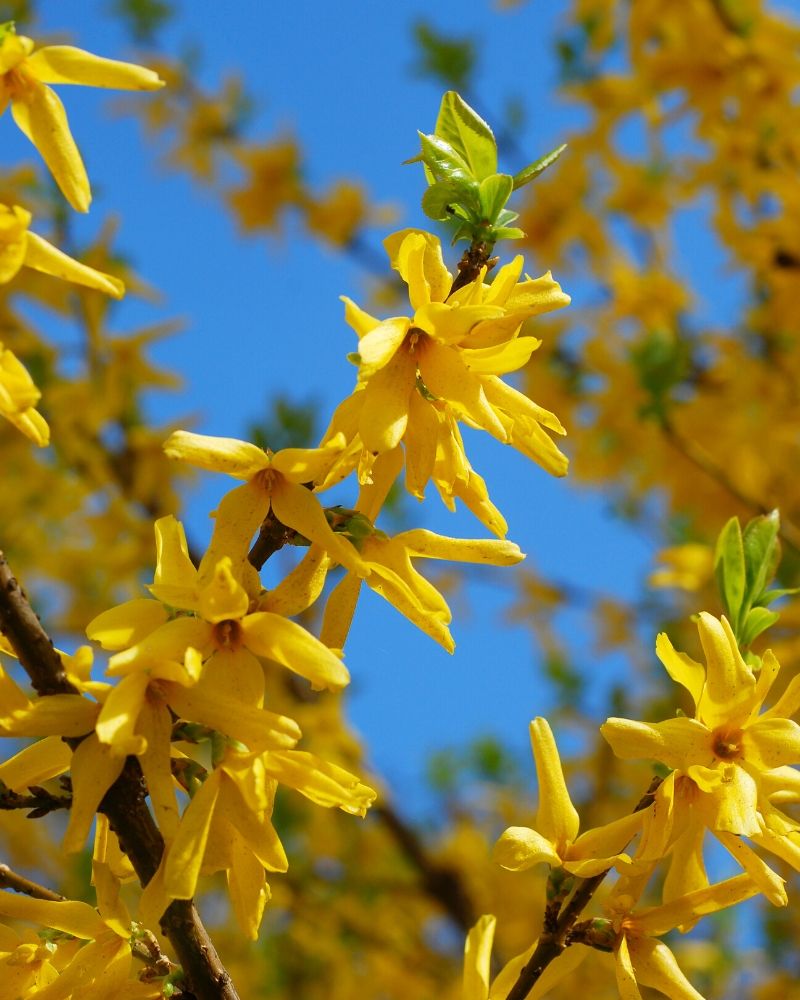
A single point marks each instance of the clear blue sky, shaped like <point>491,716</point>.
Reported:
<point>265,317</point>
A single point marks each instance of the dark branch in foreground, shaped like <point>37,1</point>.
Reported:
<point>124,803</point>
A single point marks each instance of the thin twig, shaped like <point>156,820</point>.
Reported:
<point>9,879</point>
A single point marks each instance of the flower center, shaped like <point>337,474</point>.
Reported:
<point>727,744</point>
<point>228,634</point>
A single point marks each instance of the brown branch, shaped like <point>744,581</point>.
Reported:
<point>9,879</point>
<point>441,882</point>
<point>474,258</point>
<point>124,803</point>
<point>40,801</point>
<point>554,940</point>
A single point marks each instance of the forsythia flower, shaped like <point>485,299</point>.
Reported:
<point>40,114</point>
<point>393,576</point>
<point>556,841</point>
<point>477,983</point>
<point>640,957</point>
<point>18,399</point>
<point>688,567</point>
<point>99,969</point>
<point>721,760</point>
<point>274,482</point>
<point>450,353</point>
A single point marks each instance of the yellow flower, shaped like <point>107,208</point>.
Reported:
<point>728,745</point>
<point>640,958</point>
<point>40,114</point>
<point>477,966</point>
<point>450,352</point>
<point>18,399</point>
<point>688,567</point>
<point>102,967</point>
<point>393,576</point>
<point>227,824</point>
<point>555,840</point>
<point>21,248</point>
<point>275,482</point>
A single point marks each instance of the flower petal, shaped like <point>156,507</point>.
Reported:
<point>654,965</point>
<point>387,398</point>
<point>41,117</point>
<point>289,644</point>
<point>556,819</point>
<point>185,855</point>
<point>319,780</point>
<point>520,848</point>
<point>297,508</point>
<point>681,668</point>
<point>94,770</point>
<point>768,743</point>
<point>426,545</point>
<point>43,256</point>
<point>255,727</point>
<point>217,454</point>
<point>678,743</point>
<point>66,64</point>
<point>36,763</point>
<point>730,683</point>
<point>127,624</point>
<point>116,724</point>
<point>478,959</point>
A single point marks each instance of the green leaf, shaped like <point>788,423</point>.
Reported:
<point>444,162</point>
<point>494,193</point>
<point>527,174</point>
<point>509,233</point>
<point>729,569</point>
<point>450,59</point>
<point>758,620</point>
<point>468,134</point>
<point>761,553</point>
<point>769,596</point>
<point>440,199</point>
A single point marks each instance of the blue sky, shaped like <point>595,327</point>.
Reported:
<point>264,317</point>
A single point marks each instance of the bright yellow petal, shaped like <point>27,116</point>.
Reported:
<point>339,610</point>
<point>43,256</point>
<point>301,588</point>
<point>324,783</point>
<point>66,64</point>
<point>446,376</point>
<point>289,644</point>
<point>174,567</point>
<point>657,920</point>
<point>520,848</point>
<point>38,762</point>
<point>678,743</point>
<point>185,855</point>
<point>417,256</point>
<point>217,454</point>
<point>255,727</point>
<point>730,683</point>
<point>478,959</point>
<point>126,624</point>
<point>356,318</point>
<point>654,965</point>
<point>605,842</point>
<point>307,465</point>
<point>767,881</point>
<point>681,668</point>
<point>236,521</point>
<point>426,545</point>
<point>14,222</point>
<point>299,509</point>
<point>41,116</point>
<point>556,819</point>
<point>256,831</point>
<point>420,438</point>
<point>377,348</point>
<point>222,598</point>
<point>502,359</point>
<point>167,644</point>
<point>247,889</point>
<point>770,743</point>
<point>69,916</point>
<point>387,398</point>
<point>94,770</point>
<point>155,726</point>
<point>53,715</point>
<point>116,724</point>
<point>623,968</point>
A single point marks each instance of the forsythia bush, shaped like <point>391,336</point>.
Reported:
<point>166,755</point>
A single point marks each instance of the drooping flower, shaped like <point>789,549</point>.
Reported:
<point>392,575</point>
<point>39,113</point>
